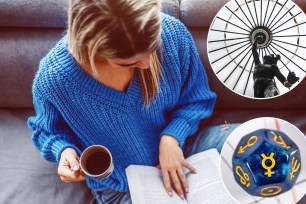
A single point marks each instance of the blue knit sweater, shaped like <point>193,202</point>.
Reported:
<point>74,110</point>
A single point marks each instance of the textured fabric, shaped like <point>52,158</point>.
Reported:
<point>205,11</point>
<point>171,7</point>
<point>111,196</point>
<point>207,138</point>
<point>204,139</point>
<point>25,176</point>
<point>33,13</point>
<point>74,110</point>
<point>20,52</point>
<point>50,13</point>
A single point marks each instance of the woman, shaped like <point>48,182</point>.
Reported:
<point>127,77</point>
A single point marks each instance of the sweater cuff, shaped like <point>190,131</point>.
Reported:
<point>178,128</point>
<point>58,147</point>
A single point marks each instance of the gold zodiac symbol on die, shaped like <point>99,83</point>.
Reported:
<point>270,191</point>
<point>244,177</point>
<point>280,141</point>
<point>251,142</point>
<point>268,168</point>
<point>295,165</point>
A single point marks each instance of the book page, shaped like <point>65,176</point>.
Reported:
<point>146,186</point>
<point>206,185</point>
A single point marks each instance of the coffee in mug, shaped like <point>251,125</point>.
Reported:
<point>96,161</point>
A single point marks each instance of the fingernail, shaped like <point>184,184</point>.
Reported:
<point>76,167</point>
<point>170,194</point>
<point>187,190</point>
<point>182,196</point>
<point>195,171</point>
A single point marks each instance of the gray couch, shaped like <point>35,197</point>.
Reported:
<point>28,29</point>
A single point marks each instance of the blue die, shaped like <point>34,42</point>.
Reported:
<point>266,163</point>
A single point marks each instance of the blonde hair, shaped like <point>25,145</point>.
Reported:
<point>117,29</point>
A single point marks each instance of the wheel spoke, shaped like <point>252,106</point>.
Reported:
<point>289,43</point>
<point>238,18</point>
<point>250,12</point>
<point>256,13</point>
<point>242,72</point>
<point>279,60</point>
<point>229,39</point>
<point>286,36</point>
<point>290,27</point>
<point>232,60</point>
<point>227,46</point>
<point>289,59</point>
<point>237,65</point>
<point>265,51</point>
<point>225,31</point>
<point>245,14</point>
<point>269,51</point>
<point>289,51</point>
<point>232,24</point>
<point>282,17</point>
<point>261,12</point>
<point>277,13</point>
<point>286,21</point>
<point>229,53</point>
<point>247,82</point>
<point>271,13</point>
<point>266,13</point>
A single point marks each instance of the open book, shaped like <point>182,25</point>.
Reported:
<point>205,187</point>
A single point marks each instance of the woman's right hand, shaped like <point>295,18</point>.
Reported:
<point>69,167</point>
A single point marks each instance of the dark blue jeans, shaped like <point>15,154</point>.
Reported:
<point>204,139</point>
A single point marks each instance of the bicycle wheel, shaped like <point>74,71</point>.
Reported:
<point>231,35</point>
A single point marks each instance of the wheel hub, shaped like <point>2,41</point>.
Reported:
<point>265,33</point>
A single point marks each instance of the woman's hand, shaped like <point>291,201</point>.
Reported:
<point>69,168</point>
<point>171,160</point>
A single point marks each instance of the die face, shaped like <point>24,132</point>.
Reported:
<point>294,167</point>
<point>243,176</point>
<point>266,163</point>
<point>280,140</point>
<point>272,189</point>
<point>249,143</point>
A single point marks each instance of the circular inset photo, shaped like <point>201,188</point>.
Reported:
<point>256,49</point>
<point>263,161</point>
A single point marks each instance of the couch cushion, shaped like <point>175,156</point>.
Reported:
<point>25,176</point>
<point>50,13</point>
<point>33,13</point>
<point>171,7</point>
<point>205,11</point>
<point>20,53</point>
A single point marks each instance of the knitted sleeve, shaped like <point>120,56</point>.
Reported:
<point>51,135</point>
<point>196,100</point>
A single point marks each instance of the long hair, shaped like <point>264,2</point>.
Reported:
<point>117,29</point>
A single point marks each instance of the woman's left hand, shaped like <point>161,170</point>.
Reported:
<point>172,160</point>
